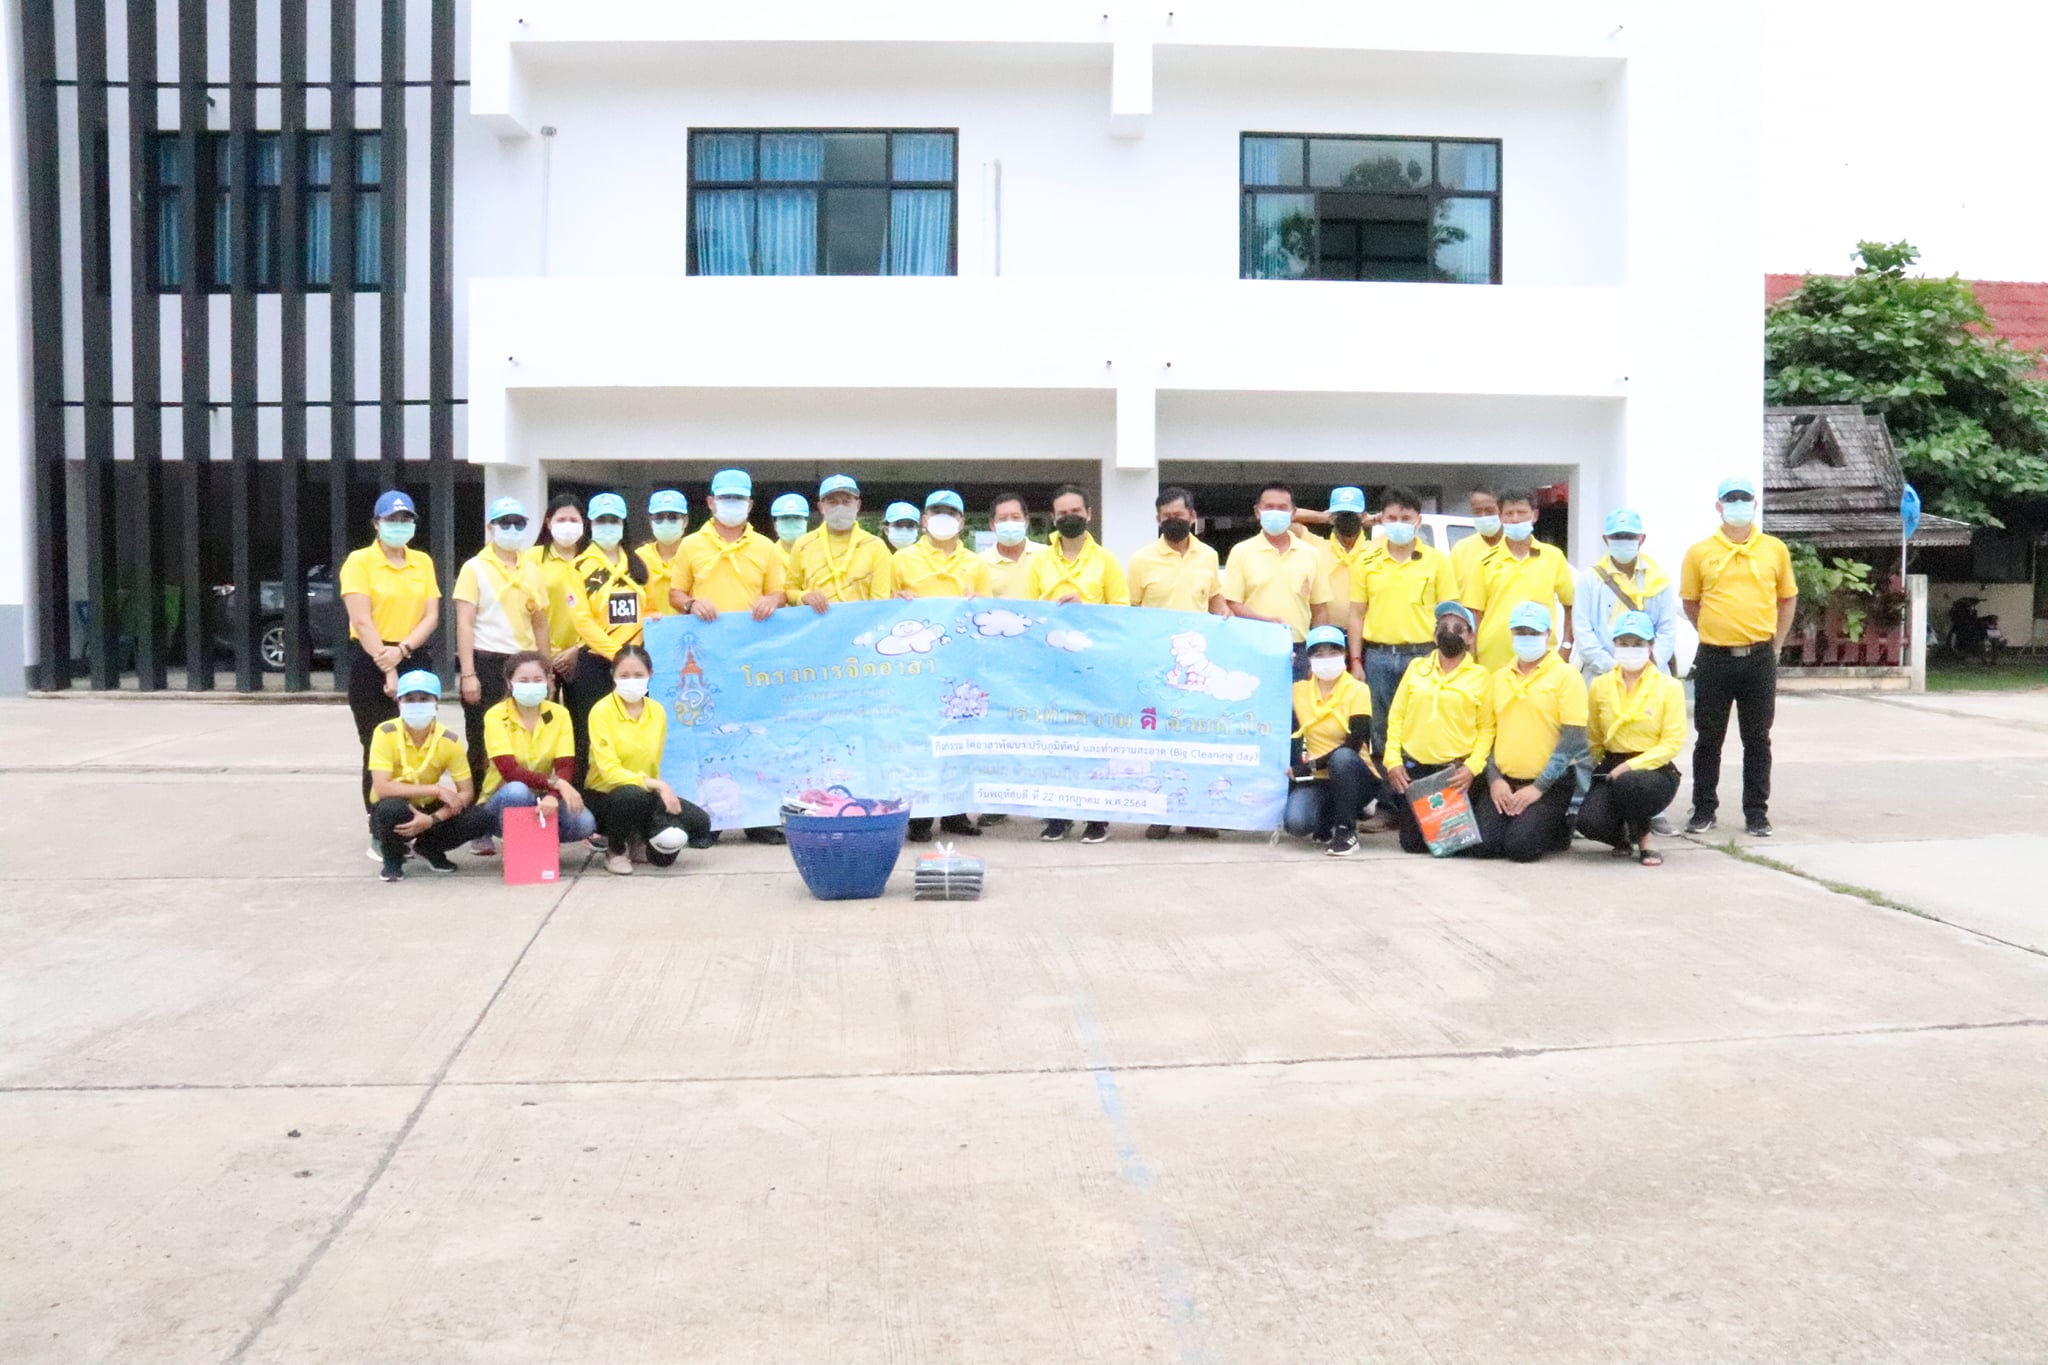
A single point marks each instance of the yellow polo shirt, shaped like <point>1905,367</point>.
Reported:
<point>1737,585</point>
<point>1467,553</point>
<point>659,573</point>
<point>1647,720</point>
<point>611,609</point>
<point>505,599</point>
<point>1440,717</point>
<point>923,571</point>
<point>730,575</point>
<point>398,596</point>
<point>1401,595</point>
<point>563,579</point>
<point>1011,577</point>
<point>625,751</point>
<point>1177,580</point>
<point>535,750</point>
<point>854,567</point>
<point>440,755</point>
<point>1529,709</point>
<point>1323,722</point>
<point>1501,581</point>
<point>1283,584</point>
<point>1093,575</point>
<point>1344,564</point>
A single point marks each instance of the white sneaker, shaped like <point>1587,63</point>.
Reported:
<point>618,864</point>
<point>486,847</point>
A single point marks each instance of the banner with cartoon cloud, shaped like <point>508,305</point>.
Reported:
<point>980,704</point>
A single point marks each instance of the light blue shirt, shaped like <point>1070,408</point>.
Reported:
<point>1595,610</point>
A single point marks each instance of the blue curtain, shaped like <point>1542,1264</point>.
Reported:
<point>725,232</point>
<point>920,231</point>
<point>319,172</point>
<point>789,231</point>
<point>725,156</point>
<point>792,156</point>
<point>369,226</point>
<point>923,156</point>
<point>170,222</point>
<point>1463,245</point>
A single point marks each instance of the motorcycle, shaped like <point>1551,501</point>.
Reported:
<point>1973,635</point>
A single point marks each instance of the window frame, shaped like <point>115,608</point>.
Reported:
<point>1433,195</point>
<point>888,185</point>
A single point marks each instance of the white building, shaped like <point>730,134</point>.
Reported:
<point>1544,213</point>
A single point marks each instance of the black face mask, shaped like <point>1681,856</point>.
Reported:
<point>1449,643</point>
<point>1347,523</point>
<point>1176,529</point>
<point>1071,526</point>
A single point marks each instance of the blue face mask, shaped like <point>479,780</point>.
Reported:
<point>606,535</point>
<point>789,528</point>
<point>1623,551</point>
<point>1400,532</point>
<point>529,694</point>
<point>1518,530</point>
<point>1486,526</point>
<point>417,715</point>
<point>396,533</point>
<point>1530,648</point>
<point>1274,521</point>
<point>1738,513</point>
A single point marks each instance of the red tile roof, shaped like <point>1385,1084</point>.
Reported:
<point>2018,309</point>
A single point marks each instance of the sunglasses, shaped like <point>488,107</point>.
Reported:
<point>511,523</point>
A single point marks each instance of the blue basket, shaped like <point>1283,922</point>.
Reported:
<point>846,857</point>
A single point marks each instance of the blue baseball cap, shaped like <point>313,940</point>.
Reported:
<point>608,505</point>
<point>667,501</point>
<point>1738,484</point>
<point>790,505</point>
<point>1636,623</point>
<point>507,507</point>
<point>900,511</point>
<point>1347,499</point>
<point>945,497</point>
<point>1459,610</point>
<point>394,501</point>
<point>838,483</point>
<point>732,483</point>
<point>1326,635</point>
<point>418,680</point>
<point>1624,521</point>
<point>1529,616</point>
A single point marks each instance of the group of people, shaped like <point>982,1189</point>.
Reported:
<point>1551,695</point>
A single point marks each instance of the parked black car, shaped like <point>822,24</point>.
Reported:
<point>326,622</point>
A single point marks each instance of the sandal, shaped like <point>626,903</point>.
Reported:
<point>1649,857</point>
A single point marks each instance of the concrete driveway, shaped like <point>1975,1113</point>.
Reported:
<point>1175,1102</point>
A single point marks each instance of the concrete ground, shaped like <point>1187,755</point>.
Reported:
<point>1176,1102</point>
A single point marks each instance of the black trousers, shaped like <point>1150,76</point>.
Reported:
<point>583,689</point>
<point>367,702</point>
<point>634,814</point>
<point>1476,796</point>
<point>1618,810</point>
<point>1545,827</point>
<point>490,677</point>
<point>1749,685</point>
<point>387,815</point>
<point>1321,807</point>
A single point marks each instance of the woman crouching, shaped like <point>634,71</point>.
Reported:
<point>640,816</point>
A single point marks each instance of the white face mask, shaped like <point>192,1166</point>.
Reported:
<point>903,537</point>
<point>505,538</point>
<point>529,693</point>
<point>1530,648</point>
<point>1738,513</point>
<point>1011,532</point>
<point>943,527</point>
<point>731,511</point>
<point>789,528</point>
<point>1624,551</point>
<point>841,519</point>
<point>668,530</point>
<point>607,534</point>
<point>418,715</point>
<point>566,532</point>
<point>630,689</point>
<point>1631,657</point>
<point>1326,666</point>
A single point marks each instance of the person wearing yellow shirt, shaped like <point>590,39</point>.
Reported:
<point>1176,572</point>
<point>1442,718</point>
<point>1333,775</point>
<point>839,562</point>
<point>1520,569</point>
<point>901,526</point>
<point>792,516</point>
<point>393,601</point>
<point>532,753</point>
<point>1009,559</point>
<point>420,791</point>
<point>1277,576</point>
<point>558,557</point>
<point>1394,596</point>
<point>1076,569</point>
<point>1349,544</point>
<point>729,566</point>
<point>1635,726</point>
<point>940,565</point>
<point>1539,742</point>
<point>640,816</point>
<point>501,609</point>
<point>668,515</point>
<point>611,611</point>
<point>1738,590</point>
<point>1486,534</point>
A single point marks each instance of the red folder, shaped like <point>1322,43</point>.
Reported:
<point>533,847</point>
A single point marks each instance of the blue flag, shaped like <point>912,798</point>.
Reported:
<point>980,704</point>
<point>1909,510</point>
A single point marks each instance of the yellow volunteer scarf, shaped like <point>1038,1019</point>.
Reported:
<point>952,566</point>
<point>1634,700</point>
<point>836,570</point>
<point>609,575</point>
<point>1652,582</point>
<point>1070,571</point>
<point>1332,706</point>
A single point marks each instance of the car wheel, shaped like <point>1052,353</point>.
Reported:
<point>270,646</point>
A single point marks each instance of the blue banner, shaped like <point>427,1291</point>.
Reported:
<point>980,704</point>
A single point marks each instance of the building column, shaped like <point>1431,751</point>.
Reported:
<point>1130,477</point>
<point>17,488</point>
<point>526,482</point>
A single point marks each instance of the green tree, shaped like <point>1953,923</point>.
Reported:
<point>1970,422</point>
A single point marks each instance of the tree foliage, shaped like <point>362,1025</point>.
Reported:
<point>1970,422</point>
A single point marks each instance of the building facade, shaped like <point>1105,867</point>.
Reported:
<point>975,246</point>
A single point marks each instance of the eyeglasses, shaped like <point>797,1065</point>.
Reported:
<point>1738,497</point>
<point>511,523</point>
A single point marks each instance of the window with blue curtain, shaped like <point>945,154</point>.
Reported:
<point>1391,209</point>
<point>823,202</point>
<point>269,233</point>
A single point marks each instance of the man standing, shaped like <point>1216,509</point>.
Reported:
<point>1539,742</point>
<point>729,566</point>
<point>1394,597</point>
<point>939,565</point>
<point>1177,573</point>
<point>668,514</point>
<point>1076,569</point>
<point>501,609</point>
<point>1486,527</point>
<point>1009,559</point>
<point>1519,569</point>
<point>1443,715</point>
<point>1276,576</point>
<point>839,562</point>
<point>1624,580</point>
<point>1349,545</point>
<point>1739,591</point>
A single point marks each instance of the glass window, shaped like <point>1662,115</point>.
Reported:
<point>859,157</point>
<point>1272,161</point>
<point>1368,164</point>
<point>268,232</point>
<point>1468,166</point>
<point>1279,236</point>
